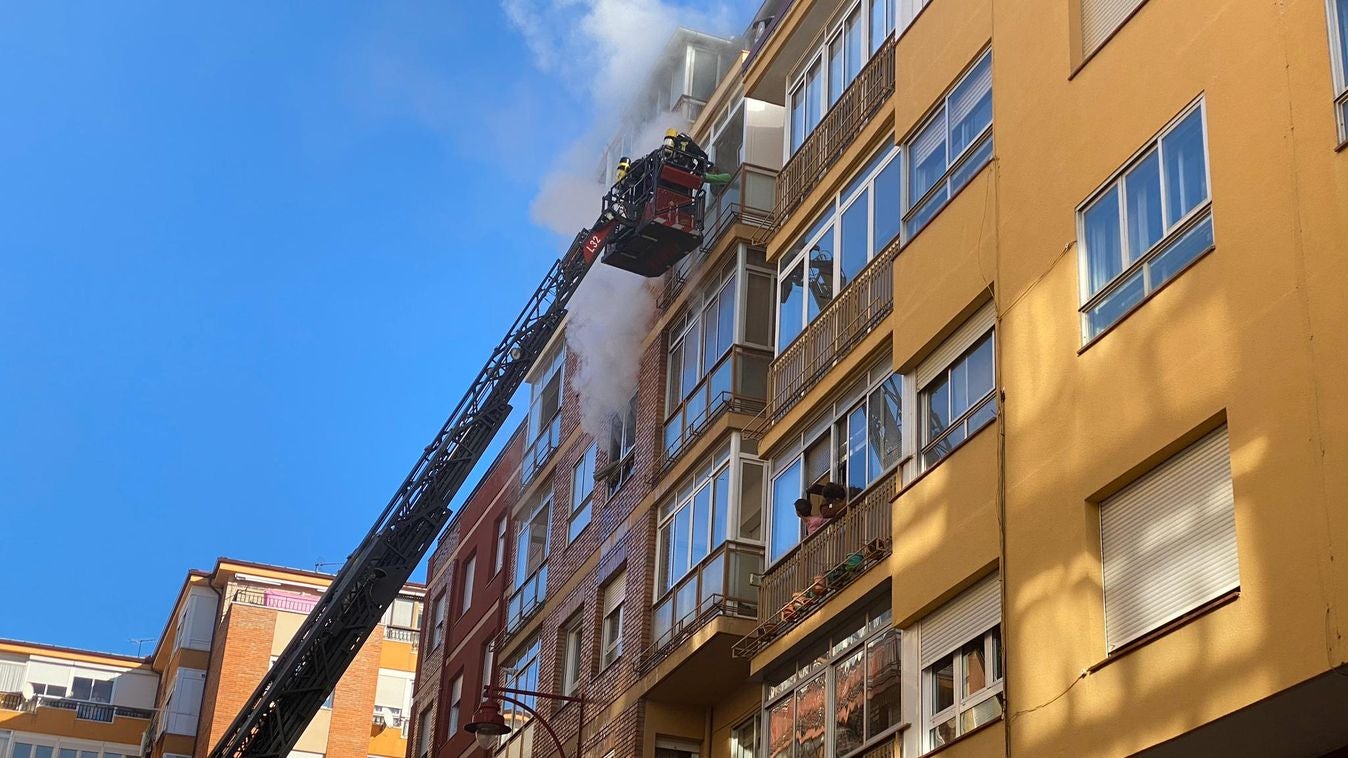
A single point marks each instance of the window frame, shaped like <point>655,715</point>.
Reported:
<point>685,499</point>
<point>611,622</point>
<point>469,578</point>
<point>455,705</point>
<point>572,652</point>
<point>582,476</point>
<point>962,421</point>
<point>622,458</point>
<point>438,614</point>
<point>963,702</point>
<point>958,164</point>
<point>1171,235</point>
<point>829,224</point>
<point>876,627</point>
<point>425,727</point>
<point>1338,41</point>
<point>502,544</point>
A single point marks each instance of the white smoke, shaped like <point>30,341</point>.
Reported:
<point>608,48</point>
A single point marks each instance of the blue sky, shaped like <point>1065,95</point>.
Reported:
<point>250,255</point>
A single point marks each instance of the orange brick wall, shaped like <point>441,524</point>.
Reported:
<point>240,656</point>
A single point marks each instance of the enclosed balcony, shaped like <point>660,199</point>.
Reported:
<point>838,553</point>
<point>526,599</point>
<point>718,586</point>
<point>736,384</point>
<point>542,448</point>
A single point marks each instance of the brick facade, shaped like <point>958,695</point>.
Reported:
<point>244,640</point>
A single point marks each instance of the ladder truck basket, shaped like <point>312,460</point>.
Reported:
<point>656,209</point>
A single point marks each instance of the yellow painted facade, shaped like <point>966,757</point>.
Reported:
<point>1249,335</point>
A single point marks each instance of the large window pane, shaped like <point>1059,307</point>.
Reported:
<point>781,730</point>
<point>882,685</point>
<point>720,507</point>
<point>751,501</point>
<point>938,406</point>
<point>852,37</point>
<point>943,684</point>
<point>928,161</point>
<point>701,523</point>
<point>881,23</point>
<point>836,82</point>
<point>786,490</point>
<point>1142,194</point>
<point>797,117</point>
<point>1104,259</point>
<point>885,419</point>
<point>888,208</point>
<point>1186,180</point>
<point>758,310</point>
<point>813,92</point>
<point>855,239</point>
<point>971,106</point>
<point>790,306</point>
<point>725,318</point>
<point>680,543</point>
<point>858,469</point>
<point>981,375</point>
<point>1181,252</point>
<point>810,722</point>
<point>1341,11</point>
<point>849,703</point>
<point>820,261</point>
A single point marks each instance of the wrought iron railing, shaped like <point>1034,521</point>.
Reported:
<point>823,563</point>
<point>859,103</point>
<point>718,586</point>
<point>857,310</point>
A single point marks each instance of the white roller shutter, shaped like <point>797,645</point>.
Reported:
<point>1168,541</point>
<point>391,691</point>
<point>185,703</point>
<point>615,592</point>
<point>1099,19</point>
<point>49,673</point>
<point>972,613</point>
<point>962,339</point>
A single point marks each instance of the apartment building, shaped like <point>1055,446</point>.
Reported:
<point>1055,332</point>
<point>58,702</point>
<point>229,625</point>
<point>467,578</point>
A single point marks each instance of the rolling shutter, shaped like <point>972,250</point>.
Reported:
<point>962,619</point>
<point>962,339</point>
<point>1168,541</point>
<point>11,677</point>
<point>1099,19</point>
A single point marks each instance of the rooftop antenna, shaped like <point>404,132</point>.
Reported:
<point>318,566</point>
<point>139,642</point>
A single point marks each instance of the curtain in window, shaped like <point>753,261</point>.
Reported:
<point>1103,257</point>
<point>1142,196</point>
<point>1186,180</point>
<point>928,158</point>
<point>971,106</point>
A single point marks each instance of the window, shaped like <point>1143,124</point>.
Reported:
<point>622,441</point>
<point>854,441</point>
<point>393,699</point>
<point>196,620</point>
<point>498,560</point>
<point>951,147</point>
<point>582,491</point>
<point>960,651</point>
<point>1338,38</point>
<point>1168,541</point>
<point>91,690</point>
<point>842,691</point>
<point>403,613</point>
<point>520,672</point>
<point>694,524</point>
<point>571,655</point>
<point>488,658</point>
<point>1100,18</point>
<point>859,223</point>
<point>545,413</point>
<point>1149,222</point>
<point>48,690</point>
<point>438,614</point>
<point>854,36</point>
<point>531,555</point>
<point>425,725</point>
<point>469,579</point>
<point>744,740</point>
<point>613,593</point>
<point>957,387</point>
<point>455,705</point>
<point>698,339</point>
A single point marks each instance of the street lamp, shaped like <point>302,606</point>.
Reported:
<point>488,725</point>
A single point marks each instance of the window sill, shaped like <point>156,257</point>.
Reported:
<point>1342,146</point>
<point>968,734</point>
<point>1145,299</point>
<point>1166,628</point>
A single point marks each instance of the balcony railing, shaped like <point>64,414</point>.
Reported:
<point>281,601</point>
<point>825,562</point>
<point>849,317</point>
<point>737,383</point>
<point>527,599</point>
<point>719,586</point>
<point>860,102</point>
<point>11,701</point>
<point>542,448</point>
<point>84,710</point>
<point>402,634</point>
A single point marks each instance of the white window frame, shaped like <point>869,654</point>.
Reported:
<point>964,164</point>
<point>582,493</point>
<point>611,624</point>
<point>455,705</point>
<point>622,461</point>
<point>438,613</point>
<point>1172,233</point>
<point>425,731</point>
<point>469,574</point>
<point>963,421</point>
<point>963,702</point>
<point>704,479</point>
<point>1338,39</point>
<point>502,544</point>
<point>823,429</point>
<point>828,226</point>
<point>573,643</point>
<point>744,739</point>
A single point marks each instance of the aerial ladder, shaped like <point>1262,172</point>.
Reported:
<point>651,218</point>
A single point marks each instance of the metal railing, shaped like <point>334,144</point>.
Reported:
<point>11,701</point>
<point>718,586</point>
<point>886,749</point>
<point>526,600</point>
<point>844,121</point>
<point>823,564</point>
<point>861,306</point>
<point>84,710</point>
<point>264,599</point>
<point>542,448</point>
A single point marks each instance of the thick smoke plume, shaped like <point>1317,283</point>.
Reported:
<point>609,48</point>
